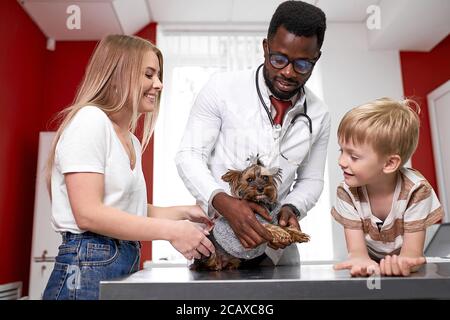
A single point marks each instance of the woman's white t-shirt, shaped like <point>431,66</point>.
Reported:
<point>90,144</point>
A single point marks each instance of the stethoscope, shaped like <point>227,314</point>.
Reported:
<point>276,128</point>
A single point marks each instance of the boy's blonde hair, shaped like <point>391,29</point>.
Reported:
<point>389,126</point>
<point>113,80</point>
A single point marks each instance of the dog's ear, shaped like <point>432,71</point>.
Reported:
<point>232,177</point>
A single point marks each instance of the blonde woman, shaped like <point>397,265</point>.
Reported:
<point>99,197</point>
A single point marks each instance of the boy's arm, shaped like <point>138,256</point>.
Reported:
<point>423,210</point>
<point>358,262</point>
<point>410,258</point>
<point>413,243</point>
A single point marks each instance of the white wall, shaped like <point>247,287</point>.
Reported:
<point>352,75</point>
<point>411,25</point>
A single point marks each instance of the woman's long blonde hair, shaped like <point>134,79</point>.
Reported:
<point>112,81</point>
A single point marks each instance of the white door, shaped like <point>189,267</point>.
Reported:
<point>45,239</point>
<point>439,109</point>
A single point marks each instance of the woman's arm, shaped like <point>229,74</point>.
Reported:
<point>173,213</point>
<point>192,213</point>
<point>85,191</point>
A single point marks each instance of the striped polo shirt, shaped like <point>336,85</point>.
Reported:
<point>415,207</point>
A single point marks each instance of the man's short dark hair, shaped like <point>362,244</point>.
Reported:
<point>299,18</point>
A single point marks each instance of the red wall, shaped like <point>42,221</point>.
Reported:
<point>65,69</point>
<point>23,60</point>
<point>422,73</point>
<point>148,33</point>
<point>34,85</point>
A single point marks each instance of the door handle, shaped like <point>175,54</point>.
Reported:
<point>44,258</point>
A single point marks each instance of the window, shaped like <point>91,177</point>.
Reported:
<point>189,61</point>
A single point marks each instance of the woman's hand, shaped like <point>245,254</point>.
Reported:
<point>196,214</point>
<point>359,266</point>
<point>400,266</point>
<point>190,240</point>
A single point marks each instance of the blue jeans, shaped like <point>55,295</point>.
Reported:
<point>86,259</point>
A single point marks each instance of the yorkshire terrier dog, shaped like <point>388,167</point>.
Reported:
<point>258,184</point>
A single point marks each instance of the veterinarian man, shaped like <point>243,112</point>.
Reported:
<point>265,111</point>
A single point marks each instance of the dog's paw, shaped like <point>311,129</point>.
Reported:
<point>279,236</point>
<point>296,235</point>
<point>233,264</point>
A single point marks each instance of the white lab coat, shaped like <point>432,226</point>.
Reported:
<point>228,123</point>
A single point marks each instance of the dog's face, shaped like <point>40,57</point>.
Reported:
<point>255,183</point>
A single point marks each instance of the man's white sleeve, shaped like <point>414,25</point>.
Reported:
<point>200,136</point>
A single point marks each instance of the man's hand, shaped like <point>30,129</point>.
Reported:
<point>400,266</point>
<point>286,218</point>
<point>240,214</point>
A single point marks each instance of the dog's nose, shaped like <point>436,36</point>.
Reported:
<point>260,189</point>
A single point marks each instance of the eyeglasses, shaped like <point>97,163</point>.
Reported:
<point>302,66</point>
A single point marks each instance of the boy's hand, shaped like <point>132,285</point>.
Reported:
<point>359,267</point>
<point>400,265</point>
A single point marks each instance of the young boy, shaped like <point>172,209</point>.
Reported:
<point>383,206</point>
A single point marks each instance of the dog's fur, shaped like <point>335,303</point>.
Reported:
<point>258,184</point>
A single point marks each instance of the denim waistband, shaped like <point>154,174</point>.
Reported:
<point>66,236</point>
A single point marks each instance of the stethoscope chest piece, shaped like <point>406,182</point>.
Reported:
<point>276,131</point>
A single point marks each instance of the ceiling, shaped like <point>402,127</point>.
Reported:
<point>430,18</point>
